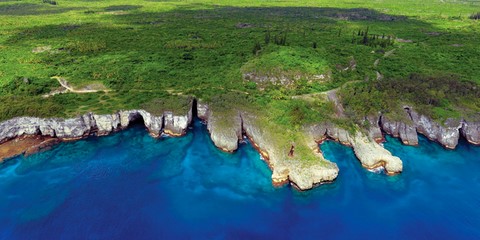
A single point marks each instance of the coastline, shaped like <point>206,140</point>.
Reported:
<point>303,175</point>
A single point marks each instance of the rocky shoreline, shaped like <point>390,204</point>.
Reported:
<point>227,129</point>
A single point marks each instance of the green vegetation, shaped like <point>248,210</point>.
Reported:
<point>286,62</point>
<point>440,97</point>
<point>276,56</point>
<point>176,104</point>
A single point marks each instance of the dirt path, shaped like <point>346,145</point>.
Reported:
<point>67,86</point>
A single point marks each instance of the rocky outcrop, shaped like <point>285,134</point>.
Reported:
<point>153,123</point>
<point>339,134</point>
<point>317,132</point>
<point>405,130</point>
<point>471,131</point>
<point>446,134</point>
<point>93,124</point>
<point>373,156</point>
<point>304,174</point>
<point>106,124</point>
<point>202,110</point>
<point>373,128</point>
<point>265,147</point>
<point>177,125</point>
<point>225,130</point>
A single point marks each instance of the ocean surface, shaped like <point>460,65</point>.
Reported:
<point>131,186</point>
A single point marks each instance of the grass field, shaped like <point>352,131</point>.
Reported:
<point>383,54</point>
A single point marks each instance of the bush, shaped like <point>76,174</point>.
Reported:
<point>51,2</point>
<point>475,16</point>
<point>29,106</point>
<point>87,46</point>
<point>256,48</point>
<point>26,87</point>
<point>424,92</point>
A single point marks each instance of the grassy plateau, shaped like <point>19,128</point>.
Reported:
<point>278,57</point>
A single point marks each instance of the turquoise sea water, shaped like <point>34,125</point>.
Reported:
<point>131,186</point>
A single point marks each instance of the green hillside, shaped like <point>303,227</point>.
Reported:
<point>129,54</point>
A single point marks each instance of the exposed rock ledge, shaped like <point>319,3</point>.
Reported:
<point>447,133</point>
<point>225,127</point>
<point>471,131</point>
<point>93,124</point>
<point>304,174</point>
<point>405,130</point>
<point>371,154</point>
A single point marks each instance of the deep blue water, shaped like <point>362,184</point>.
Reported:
<point>131,186</point>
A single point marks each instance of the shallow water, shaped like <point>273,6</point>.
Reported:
<point>132,186</point>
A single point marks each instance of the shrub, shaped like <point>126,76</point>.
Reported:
<point>51,2</point>
<point>475,16</point>
<point>87,46</point>
<point>256,48</point>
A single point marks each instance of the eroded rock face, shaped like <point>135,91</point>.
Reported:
<point>339,134</point>
<point>471,131</point>
<point>154,124</point>
<point>177,125</point>
<point>318,132</point>
<point>73,128</point>
<point>225,130</point>
<point>17,127</point>
<point>202,110</point>
<point>373,128</point>
<point>79,127</point>
<point>406,131</point>
<point>446,134</point>
<point>106,124</point>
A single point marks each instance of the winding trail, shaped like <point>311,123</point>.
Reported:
<point>65,84</point>
<point>68,88</point>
